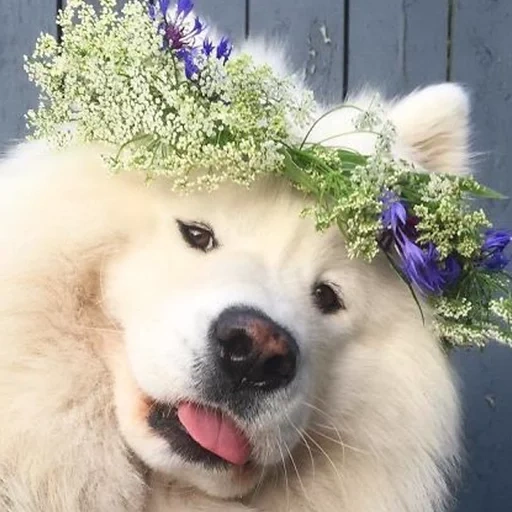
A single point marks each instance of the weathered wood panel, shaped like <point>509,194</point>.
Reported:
<point>397,45</point>
<point>313,35</point>
<point>481,58</point>
<point>21,22</point>
<point>228,16</point>
<point>487,401</point>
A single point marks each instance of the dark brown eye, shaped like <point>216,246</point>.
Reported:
<point>198,236</point>
<point>326,299</point>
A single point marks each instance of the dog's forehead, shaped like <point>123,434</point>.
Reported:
<point>247,207</point>
<point>269,212</point>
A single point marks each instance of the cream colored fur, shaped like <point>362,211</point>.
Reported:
<point>88,261</point>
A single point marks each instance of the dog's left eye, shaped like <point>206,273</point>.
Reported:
<point>326,299</point>
<point>198,236</point>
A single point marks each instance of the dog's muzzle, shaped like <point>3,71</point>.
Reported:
<point>250,357</point>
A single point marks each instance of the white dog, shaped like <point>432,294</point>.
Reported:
<point>214,351</point>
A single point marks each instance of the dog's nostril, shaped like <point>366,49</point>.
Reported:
<point>254,351</point>
<point>237,346</point>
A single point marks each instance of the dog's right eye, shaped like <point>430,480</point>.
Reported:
<point>198,236</point>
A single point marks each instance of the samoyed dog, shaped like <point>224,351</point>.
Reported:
<point>214,351</point>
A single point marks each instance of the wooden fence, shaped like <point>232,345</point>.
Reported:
<point>395,45</point>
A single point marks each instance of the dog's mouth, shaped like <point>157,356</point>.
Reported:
<point>201,434</point>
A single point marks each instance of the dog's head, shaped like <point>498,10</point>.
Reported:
<point>237,316</point>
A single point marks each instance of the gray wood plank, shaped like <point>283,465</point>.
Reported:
<point>226,16</point>
<point>21,24</point>
<point>481,59</point>
<point>487,402</point>
<point>312,32</point>
<point>397,45</point>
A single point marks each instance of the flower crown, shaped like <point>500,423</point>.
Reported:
<point>151,83</point>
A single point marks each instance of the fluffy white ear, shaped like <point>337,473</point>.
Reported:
<point>433,126</point>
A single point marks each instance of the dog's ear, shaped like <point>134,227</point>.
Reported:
<point>433,125</point>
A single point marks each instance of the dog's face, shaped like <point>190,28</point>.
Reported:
<point>232,306</point>
<point>236,315</point>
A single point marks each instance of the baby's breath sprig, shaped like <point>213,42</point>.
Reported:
<point>166,99</point>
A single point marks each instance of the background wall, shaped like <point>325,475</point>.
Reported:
<point>395,45</point>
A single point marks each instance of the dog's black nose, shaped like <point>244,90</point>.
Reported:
<point>254,351</point>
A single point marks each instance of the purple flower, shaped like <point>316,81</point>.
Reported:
<point>493,257</point>
<point>177,30</point>
<point>208,47</point>
<point>152,11</point>
<point>181,35</point>
<point>423,268</point>
<point>187,57</point>
<point>394,215</point>
<point>496,240</point>
<point>420,265</point>
<point>452,269</point>
<point>184,7</point>
<point>224,49</point>
<point>164,6</point>
<point>178,36</point>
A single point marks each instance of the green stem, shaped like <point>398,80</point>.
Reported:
<point>404,279</point>
<point>323,116</point>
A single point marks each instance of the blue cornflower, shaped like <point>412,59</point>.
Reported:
<point>177,30</point>
<point>452,269</point>
<point>184,7</point>
<point>493,250</point>
<point>188,58</point>
<point>423,268</point>
<point>420,265</point>
<point>181,35</point>
<point>152,11</point>
<point>394,214</point>
<point>208,47</point>
<point>164,6</point>
<point>496,240</point>
<point>224,49</point>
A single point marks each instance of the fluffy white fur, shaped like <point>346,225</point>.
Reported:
<point>103,307</point>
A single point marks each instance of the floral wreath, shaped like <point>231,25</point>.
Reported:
<point>151,83</point>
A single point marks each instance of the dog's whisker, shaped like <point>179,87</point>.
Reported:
<point>262,475</point>
<point>306,444</point>
<point>337,441</point>
<point>329,459</point>
<point>329,418</point>
<point>261,478</point>
<point>283,461</point>
<point>301,483</point>
<point>321,411</point>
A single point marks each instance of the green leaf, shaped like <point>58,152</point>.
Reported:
<point>351,157</point>
<point>297,174</point>
<point>481,191</point>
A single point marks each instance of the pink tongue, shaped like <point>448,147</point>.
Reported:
<point>214,432</point>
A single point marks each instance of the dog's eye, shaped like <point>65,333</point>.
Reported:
<point>326,299</point>
<point>198,236</point>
